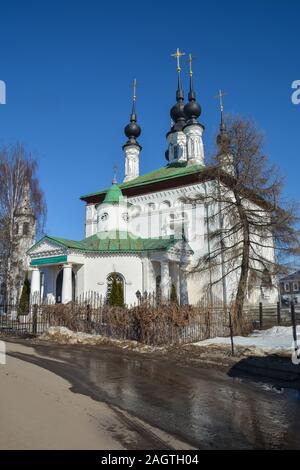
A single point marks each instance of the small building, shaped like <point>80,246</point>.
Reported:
<point>290,288</point>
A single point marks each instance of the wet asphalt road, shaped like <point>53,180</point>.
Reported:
<point>203,407</point>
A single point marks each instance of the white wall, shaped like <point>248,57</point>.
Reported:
<point>92,276</point>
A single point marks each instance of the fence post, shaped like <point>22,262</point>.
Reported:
<point>294,327</point>
<point>231,332</point>
<point>278,314</point>
<point>260,316</point>
<point>34,319</point>
<point>88,318</point>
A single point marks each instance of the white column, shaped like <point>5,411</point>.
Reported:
<point>177,147</point>
<point>132,161</point>
<point>195,149</point>
<point>35,288</point>
<point>184,298</point>
<point>66,295</point>
<point>145,274</point>
<point>165,280</point>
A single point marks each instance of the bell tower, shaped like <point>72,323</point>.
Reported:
<point>132,148</point>
<point>176,138</point>
<point>193,130</point>
<point>25,235</point>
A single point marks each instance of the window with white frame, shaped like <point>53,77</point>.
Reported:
<point>287,287</point>
<point>295,286</point>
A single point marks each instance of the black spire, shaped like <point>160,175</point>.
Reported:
<point>223,139</point>
<point>192,109</point>
<point>177,111</point>
<point>114,180</point>
<point>133,130</point>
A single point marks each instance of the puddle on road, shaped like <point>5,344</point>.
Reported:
<point>203,407</point>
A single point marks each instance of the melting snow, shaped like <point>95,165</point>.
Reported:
<point>63,335</point>
<point>278,339</point>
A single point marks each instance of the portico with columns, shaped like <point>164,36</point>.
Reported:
<point>145,266</point>
<point>52,280</point>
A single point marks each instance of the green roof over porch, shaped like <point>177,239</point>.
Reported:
<point>111,242</point>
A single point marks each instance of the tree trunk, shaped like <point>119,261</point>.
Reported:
<point>238,320</point>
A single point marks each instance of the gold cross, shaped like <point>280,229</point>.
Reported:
<point>220,97</point>
<point>190,61</point>
<point>134,89</point>
<point>177,55</point>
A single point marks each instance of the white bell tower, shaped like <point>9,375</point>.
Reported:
<point>132,148</point>
<point>193,130</point>
<point>176,137</point>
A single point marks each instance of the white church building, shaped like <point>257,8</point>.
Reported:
<point>142,230</point>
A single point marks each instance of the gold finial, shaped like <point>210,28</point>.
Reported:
<point>220,97</point>
<point>190,61</point>
<point>177,55</point>
<point>134,89</point>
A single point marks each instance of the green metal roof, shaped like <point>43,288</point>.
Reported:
<point>168,172</point>
<point>113,195</point>
<point>115,241</point>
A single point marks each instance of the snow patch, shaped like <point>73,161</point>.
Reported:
<point>276,340</point>
<point>63,335</point>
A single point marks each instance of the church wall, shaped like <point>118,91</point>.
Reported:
<point>160,214</point>
<point>90,220</point>
<point>93,275</point>
<point>257,293</point>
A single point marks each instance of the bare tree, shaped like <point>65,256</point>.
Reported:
<point>252,229</point>
<point>20,194</point>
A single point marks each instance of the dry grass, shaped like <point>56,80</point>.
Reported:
<point>153,325</point>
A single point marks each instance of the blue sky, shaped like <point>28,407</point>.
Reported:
<point>69,66</point>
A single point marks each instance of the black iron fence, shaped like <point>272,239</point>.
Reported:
<point>264,316</point>
<point>146,322</point>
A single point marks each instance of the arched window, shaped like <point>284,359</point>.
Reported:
<point>26,228</point>
<point>150,210</point>
<point>164,210</point>
<point>172,221</point>
<point>120,280</point>
<point>185,224</point>
<point>16,228</point>
<point>175,152</point>
<point>266,279</point>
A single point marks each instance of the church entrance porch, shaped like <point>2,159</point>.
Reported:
<point>55,283</point>
<point>62,288</point>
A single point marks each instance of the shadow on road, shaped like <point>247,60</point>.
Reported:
<point>275,370</point>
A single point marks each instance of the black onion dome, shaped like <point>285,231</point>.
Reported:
<point>177,115</point>
<point>177,111</point>
<point>192,109</point>
<point>132,130</point>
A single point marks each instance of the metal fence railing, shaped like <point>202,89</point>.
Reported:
<point>146,322</point>
<point>269,315</point>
